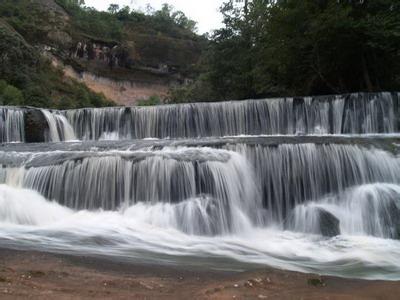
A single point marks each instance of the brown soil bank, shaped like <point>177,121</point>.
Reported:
<point>36,275</point>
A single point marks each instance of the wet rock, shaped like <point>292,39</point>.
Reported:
<point>36,126</point>
<point>313,220</point>
<point>328,223</point>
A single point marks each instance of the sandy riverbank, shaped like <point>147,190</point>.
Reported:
<point>37,275</point>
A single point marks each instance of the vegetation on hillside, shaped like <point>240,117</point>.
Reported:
<point>27,78</point>
<point>149,39</point>
<point>26,27</point>
<point>111,24</point>
<point>291,47</point>
<point>265,48</point>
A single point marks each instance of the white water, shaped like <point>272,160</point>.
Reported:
<point>59,127</point>
<point>368,210</point>
<point>235,207</point>
<point>11,125</point>
<point>151,233</point>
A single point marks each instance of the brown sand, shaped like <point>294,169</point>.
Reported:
<point>34,275</point>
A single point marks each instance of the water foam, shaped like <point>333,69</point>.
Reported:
<point>367,210</point>
<point>152,233</point>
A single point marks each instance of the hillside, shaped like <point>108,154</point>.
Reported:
<point>57,53</point>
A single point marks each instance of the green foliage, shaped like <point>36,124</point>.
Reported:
<point>26,18</point>
<point>94,23</point>
<point>113,8</point>
<point>110,25</point>
<point>153,100</point>
<point>26,78</point>
<point>167,17</point>
<point>165,35</point>
<point>198,91</point>
<point>18,60</point>
<point>74,2</point>
<point>10,95</point>
<point>3,85</point>
<point>270,48</point>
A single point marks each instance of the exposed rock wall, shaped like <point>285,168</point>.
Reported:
<point>126,92</point>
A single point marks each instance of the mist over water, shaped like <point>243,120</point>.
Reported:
<point>328,205</point>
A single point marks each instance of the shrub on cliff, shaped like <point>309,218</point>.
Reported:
<point>10,95</point>
<point>27,78</point>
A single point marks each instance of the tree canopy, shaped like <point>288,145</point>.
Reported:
<point>109,24</point>
<point>291,47</point>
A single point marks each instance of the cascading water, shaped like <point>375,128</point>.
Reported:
<point>213,183</point>
<point>59,127</point>
<point>291,174</point>
<point>11,125</point>
<point>325,204</point>
<point>352,114</point>
<point>369,210</point>
<point>345,114</point>
<point>282,176</point>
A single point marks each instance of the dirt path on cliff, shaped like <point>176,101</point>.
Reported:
<point>33,275</point>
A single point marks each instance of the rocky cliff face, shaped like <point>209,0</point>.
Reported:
<point>136,65</point>
<point>122,92</point>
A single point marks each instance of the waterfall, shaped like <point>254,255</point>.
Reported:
<point>290,174</point>
<point>349,114</point>
<point>307,184</point>
<point>370,210</point>
<point>203,180</point>
<point>343,114</point>
<point>250,177</point>
<point>59,127</point>
<point>11,125</point>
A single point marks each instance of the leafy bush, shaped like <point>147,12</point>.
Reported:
<point>11,96</point>
<point>153,100</point>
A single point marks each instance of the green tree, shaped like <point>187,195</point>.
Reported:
<point>124,13</point>
<point>113,8</point>
<point>182,20</point>
<point>3,85</point>
<point>270,48</point>
<point>10,95</point>
<point>151,101</point>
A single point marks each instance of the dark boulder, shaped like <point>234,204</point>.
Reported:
<point>329,225</point>
<point>313,220</point>
<point>36,126</point>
